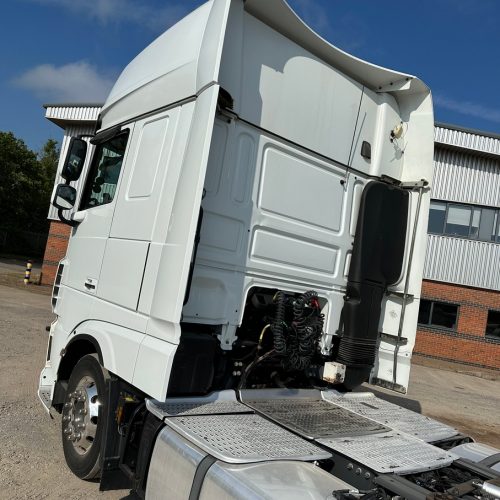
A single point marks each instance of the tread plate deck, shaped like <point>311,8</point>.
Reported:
<point>315,418</point>
<point>244,438</point>
<point>391,452</point>
<point>176,409</point>
<point>393,416</point>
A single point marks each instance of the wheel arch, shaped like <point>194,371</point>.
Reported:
<point>115,345</point>
<point>79,346</point>
<point>136,358</point>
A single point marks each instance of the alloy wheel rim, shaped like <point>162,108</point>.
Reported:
<point>80,415</point>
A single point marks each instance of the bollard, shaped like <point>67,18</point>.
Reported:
<point>27,274</point>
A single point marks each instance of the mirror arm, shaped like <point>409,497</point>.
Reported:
<point>63,219</point>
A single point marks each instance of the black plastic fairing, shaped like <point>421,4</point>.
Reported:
<point>376,262</point>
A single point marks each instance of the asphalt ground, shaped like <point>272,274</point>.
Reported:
<point>31,460</point>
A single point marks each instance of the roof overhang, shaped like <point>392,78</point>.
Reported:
<point>67,114</point>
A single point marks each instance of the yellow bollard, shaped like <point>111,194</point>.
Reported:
<point>27,274</point>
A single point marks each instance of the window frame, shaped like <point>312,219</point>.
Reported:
<point>496,228</point>
<point>431,311</point>
<point>445,215</point>
<point>459,205</point>
<point>92,166</point>
<point>489,336</point>
<point>472,208</point>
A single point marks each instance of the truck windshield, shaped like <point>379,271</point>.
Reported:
<point>100,186</point>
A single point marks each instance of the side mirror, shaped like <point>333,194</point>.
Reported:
<point>75,159</point>
<point>64,197</point>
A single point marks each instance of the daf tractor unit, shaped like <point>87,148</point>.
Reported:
<point>246,251</point>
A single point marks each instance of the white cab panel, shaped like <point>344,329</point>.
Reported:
<point>119,346</point>
<point>273,209</point>
<point>174,262</point>
<point>288,178</point>
<point>122,271</point>
<point>152,370</point>
<point>86,249</point>
<point>275,216</point>
<point>378,115</point>
<point>145,174</point>
<point>178,65</point>
<point>292,93</point>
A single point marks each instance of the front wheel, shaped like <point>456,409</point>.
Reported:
<point>84,417</point>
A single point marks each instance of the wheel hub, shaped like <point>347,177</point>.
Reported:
<point>80,415</point>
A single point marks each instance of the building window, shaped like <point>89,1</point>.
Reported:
<point>493,325</point>
<point>441,314</point>
<point>464,221</point>
<point>437,217</point>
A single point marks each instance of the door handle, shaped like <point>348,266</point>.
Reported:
<point>90,284</point>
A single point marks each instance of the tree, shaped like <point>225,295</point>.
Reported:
<point>25,183</point>
<point>49,158</point>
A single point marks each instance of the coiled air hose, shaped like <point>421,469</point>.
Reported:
<point>298,346</point>
<point>277,324</point>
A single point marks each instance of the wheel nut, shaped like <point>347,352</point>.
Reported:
<point>67,405</point>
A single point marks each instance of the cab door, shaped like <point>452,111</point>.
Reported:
<point>88,242</point>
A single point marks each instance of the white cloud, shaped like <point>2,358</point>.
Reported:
<point>128,11</point>
<point>468,108</point>
<point>78,81</point>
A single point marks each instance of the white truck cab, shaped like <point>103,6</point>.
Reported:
<point>248,244</point>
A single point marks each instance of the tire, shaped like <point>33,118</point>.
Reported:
<point>84,417</point>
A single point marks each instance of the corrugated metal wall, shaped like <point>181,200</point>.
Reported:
<point>466,178</point>
<point>462,173</point>
<point>73,113</point>
<point>461,261</point>
<point>467,139</point>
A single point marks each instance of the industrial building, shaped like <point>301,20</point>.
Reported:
<point>459,317</point>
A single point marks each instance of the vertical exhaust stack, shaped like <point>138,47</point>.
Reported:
<point>376,263</point>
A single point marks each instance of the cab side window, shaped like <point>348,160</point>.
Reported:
<point>100,186</point>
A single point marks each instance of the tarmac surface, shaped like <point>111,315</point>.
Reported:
<point>31,460</point>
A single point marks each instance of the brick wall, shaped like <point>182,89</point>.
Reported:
<point>57,243</point>
<point>467,343</point>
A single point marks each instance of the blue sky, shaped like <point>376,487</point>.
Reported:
<point>73,50</point>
